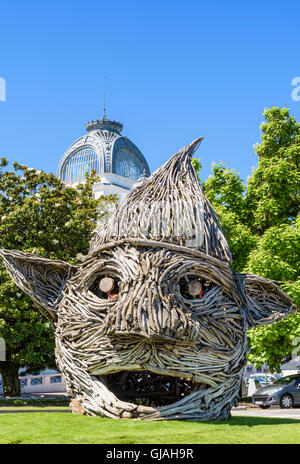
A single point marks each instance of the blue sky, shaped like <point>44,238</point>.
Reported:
<point>175,71</point>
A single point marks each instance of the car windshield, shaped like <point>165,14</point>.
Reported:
<point>286,380</point>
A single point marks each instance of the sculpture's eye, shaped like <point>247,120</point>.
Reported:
<point>105,287</point>
<point>192,287</point>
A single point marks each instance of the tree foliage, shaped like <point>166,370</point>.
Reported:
<point>39,214</point>
<point>225,190</point>
<point>273,188</point>
<point>262,223</point>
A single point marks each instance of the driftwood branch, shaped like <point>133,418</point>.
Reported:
<point>152,323</point>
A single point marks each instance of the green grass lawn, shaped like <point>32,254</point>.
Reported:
<point>43,427</point>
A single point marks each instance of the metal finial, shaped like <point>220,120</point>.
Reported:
<point>104,92</point>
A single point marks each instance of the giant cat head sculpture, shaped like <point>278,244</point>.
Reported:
<point>152,323</point>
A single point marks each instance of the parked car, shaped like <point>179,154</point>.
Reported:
<point>262,378</point>
<point>284,392</point>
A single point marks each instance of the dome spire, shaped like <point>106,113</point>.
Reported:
<point>104,92</point>
<point>104,123</point>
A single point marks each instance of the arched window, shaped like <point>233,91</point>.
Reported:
<point>127,164</point>
<point>84,160</point>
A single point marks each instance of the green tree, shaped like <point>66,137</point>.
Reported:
<point>273,197</point>
<point>226,192</point>
<point>273,188</point>
<point>262,224</point>
<point>38,214</point>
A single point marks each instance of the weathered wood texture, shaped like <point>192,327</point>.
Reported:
<point>169,207</point>
<point>152,324</point>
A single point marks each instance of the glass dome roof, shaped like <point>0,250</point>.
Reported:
<point>105,150</point>
<point>82,161</point>
<point>127,164</point>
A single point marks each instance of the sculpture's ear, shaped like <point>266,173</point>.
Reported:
<point>264,302</point>
<point>41,278</point>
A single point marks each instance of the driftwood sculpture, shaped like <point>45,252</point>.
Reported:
<point>152,323</point>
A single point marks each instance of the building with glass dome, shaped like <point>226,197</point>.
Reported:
<point>116,159</point>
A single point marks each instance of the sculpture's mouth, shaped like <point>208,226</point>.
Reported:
<point>147,388</point>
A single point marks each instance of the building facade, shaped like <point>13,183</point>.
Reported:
<point>114,157</point>
<point>46,381</point>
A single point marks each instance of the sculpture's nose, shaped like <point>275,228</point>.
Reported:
<point>147,312</point>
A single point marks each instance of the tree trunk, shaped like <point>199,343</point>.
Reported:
<point>10,378</point>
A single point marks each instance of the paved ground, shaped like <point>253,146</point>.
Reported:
<point>272,412</point>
